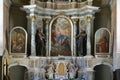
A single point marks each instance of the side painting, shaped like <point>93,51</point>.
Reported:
<point>18,40</point>
<point>61,37</point>
<point>102,41</point>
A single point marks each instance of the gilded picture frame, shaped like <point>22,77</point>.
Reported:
<point>102,43</point>
<point>18,42</point>
<point>63,34</point>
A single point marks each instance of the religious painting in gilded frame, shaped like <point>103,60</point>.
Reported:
<point>61,36</point>
<point>18,42</point>
<point>102,42</point>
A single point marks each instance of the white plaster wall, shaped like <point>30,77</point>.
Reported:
<point>116,56</point>
<point>1,27</point>
<point>118,26</point>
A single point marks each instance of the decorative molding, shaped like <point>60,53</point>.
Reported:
<point>74,21</point>
<point>88,18</point>
<point>47,20</point>
<point>49,12</point>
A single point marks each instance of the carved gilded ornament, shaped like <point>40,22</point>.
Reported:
<point>47,20</point>
<point>33,18</point>
<point>74,21</point>
<point>89,18</point>
<point>90,3</point>
<point>61,13</point>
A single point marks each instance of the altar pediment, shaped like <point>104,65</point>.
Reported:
<point>55,8</point>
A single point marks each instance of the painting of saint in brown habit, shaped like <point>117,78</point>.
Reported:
<point>61,37</point>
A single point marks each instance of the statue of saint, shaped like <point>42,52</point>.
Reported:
<point>42,72</point>
<point>72,70</point>
<point>82,42</point>
<point>40,43</point>
<point>50,71</point>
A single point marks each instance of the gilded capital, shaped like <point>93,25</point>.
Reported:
<point>90,3</point>
<point>61,13</point>
<point>33,18</point>
<point>47,20</point>
<point>74,21</point>
<point>89,18</point>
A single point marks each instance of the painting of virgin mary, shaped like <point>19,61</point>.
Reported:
<point>18,41</point>
<point>61,37</point>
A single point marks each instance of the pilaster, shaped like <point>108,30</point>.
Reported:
<point>74,34</point>
<point>31,26</point>
<point>33,31</point>
<point>47,21</point>
<point>89,19</point>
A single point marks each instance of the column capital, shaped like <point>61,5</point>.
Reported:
<point>89,18</point>
<point>33,18</point>
<point>47,20</point>
<point>75,20</point>
<point>90,2</point>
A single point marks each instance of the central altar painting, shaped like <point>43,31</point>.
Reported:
<point>60,37</point>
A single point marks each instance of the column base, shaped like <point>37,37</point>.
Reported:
<point>33,57</point>
<point>90,74</point>
<point>89,56</point>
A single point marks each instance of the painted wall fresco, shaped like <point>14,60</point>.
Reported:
<point>61,37</point>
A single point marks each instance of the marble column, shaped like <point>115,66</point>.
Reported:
<point>32,1</point>
<point>33,31</point>
<point>74,34</point>
<point>30,9</point>
<point>90,74</point>
<point>47,36</point>
<point>89,25</point>
<point>90,2</point>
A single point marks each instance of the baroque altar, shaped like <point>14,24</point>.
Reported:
<point>60,22</point>
<point>59,38</point>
